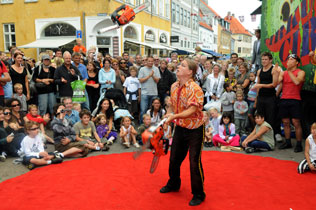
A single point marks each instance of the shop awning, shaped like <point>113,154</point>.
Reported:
<point>211,52</point>
<point>149,44</point>
<point>49,42</point>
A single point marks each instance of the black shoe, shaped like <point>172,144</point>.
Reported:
<point>210,144</point>
<point>206,144</point>
<point>167,189</point>
<point>30,166</point>
<point>250,150</point>
<point>57,160</point>
<point>105,148</point>
<point>298,148</point>
<point>197,200</point>
<point>285,146</point>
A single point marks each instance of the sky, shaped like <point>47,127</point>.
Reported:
<point>239,8</point>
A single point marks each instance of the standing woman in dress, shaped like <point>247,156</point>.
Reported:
<point>93,86</point>
<point>18,74</point>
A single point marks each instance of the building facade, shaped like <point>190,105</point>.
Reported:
<point>42,25</point>
<point>184,24</point>
<point>225,37</point>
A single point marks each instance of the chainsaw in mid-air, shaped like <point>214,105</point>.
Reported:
<point>124,15</point>
<point>153,138</point>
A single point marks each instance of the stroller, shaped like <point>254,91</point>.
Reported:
<point>120,108</point>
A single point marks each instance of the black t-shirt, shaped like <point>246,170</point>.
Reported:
<point>18,78</point>
<point>41,74</point>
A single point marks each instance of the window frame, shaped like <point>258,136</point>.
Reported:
<point>9,33</point>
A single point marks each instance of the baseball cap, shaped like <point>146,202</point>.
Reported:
<point>45,57</point>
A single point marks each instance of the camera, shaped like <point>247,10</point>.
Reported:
<point>64,110</point>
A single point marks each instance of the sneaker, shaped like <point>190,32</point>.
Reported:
<point>58,155</point>
<point>278,137</point>
<point>197,200</point>
<point>126,144</point>
<point>136,145</point>
<point>105,148</point>
<point>249,150</point>
<point>285,146</point>
<point>110,142</point>
<point>30,166</point>
<point>2,158</point>
<point>57,160</point>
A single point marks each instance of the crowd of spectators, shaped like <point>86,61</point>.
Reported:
<point>244,106</point>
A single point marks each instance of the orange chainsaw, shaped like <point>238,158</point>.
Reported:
<point>123,15</point>
<point>153,138</point>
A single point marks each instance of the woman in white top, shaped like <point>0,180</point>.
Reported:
<point>156,111</point>
<point>214,84</point>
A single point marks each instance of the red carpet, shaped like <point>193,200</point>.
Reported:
<point>233,181</point>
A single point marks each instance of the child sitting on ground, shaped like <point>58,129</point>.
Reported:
<point>32,148</point>
<point>309,163</point>
<point>86,133</point>
<point>42,121</point>
<point>226,134</point>
<point>146,124</point>
<point>18,88</point>
<point>128,133</point>
<point>216,119</point>
<point>77,107</point>
<point>208,130</point>
<point>103,129</point>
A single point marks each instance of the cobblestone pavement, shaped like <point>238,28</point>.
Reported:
<point>9,170</point>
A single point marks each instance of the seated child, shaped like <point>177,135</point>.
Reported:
<point>226,134</point>
<point>18,88</point>
<point>208,130</point>
<point>261,138</point>
<point>33,115</point>
<point>146,124</point>
<point>128,133</point>
<point>309,163</point>
<point>103,131</point>
<point>86,133</point>
<point>216,119</point>
<point>32,148</point>
<point>77,107</point>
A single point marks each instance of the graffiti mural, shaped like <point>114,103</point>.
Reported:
<point>289,26</point>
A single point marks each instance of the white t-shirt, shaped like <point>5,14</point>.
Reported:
<point>132,84</point>
<point>312,148</point>
<point>32,146</point>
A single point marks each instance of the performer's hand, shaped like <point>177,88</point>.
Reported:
<point>169,117</point>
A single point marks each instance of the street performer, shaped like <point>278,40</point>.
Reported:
<point>186,112</point>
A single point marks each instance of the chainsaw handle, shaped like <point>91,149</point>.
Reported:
<point>115,16</point>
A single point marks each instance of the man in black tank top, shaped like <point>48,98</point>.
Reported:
<point>267,80</point>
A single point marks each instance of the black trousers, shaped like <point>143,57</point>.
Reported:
<point>267,107</point>
<point>185,140</point>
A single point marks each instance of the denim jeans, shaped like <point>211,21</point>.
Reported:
<point>46,100</point>
<point>257,144</point>
<point>86,105</point>
<point>145,104</point>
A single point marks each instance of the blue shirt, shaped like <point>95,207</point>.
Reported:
<point>73,117</point>
<point>83,70</point>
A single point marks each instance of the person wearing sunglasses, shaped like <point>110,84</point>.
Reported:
<point>123,67</point>
<point>32,148</point>
<point>107,77</point>
<point>120,75</point>
<point>292,80</point>
<point>16,114</point>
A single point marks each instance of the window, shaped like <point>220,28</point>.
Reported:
<point>185,43</point>
<point>167,9</point>
<point>215,39</point>
<point>178,14</point>
<point>193,22</point>
<point>185,18</point>
<point>9,35</point>
<point>173,15</point>
<point>188,44</point>
<point>154,7</point>
<point>138,2</point>
<point>161,7</point>
<point>189,17</point>
<point>27,1</point>
<point>181,16</point>
<point>6,1</point>
<point>239,49</point>
<point>181,43</point>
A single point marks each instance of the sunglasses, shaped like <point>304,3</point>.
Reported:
<point>295,57</point>
<point>15,105</point>
<point>114,64</point>
<point>34,129</point>
<point>6,113</point>
<point>122,63</point>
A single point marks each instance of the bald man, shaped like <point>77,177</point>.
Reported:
<point>65,74</point>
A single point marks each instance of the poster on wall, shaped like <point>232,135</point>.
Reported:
<point>290,27</point>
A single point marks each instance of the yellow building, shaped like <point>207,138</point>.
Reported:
<point>224,37</point>
<point>36,25</point>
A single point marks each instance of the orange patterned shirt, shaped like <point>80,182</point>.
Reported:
<point>190,94</point>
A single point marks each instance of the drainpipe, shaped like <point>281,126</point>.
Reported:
<point>84,28</point>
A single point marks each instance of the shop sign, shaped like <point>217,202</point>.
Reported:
<point>163,39</point>
<point>174,38</point>
<point>149,36</point>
